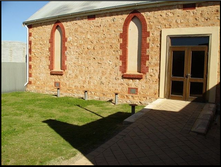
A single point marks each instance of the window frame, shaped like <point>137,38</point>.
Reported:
<point>144,46</point>
<point>52,50</point>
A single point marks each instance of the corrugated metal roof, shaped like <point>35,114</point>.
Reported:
<point>63,8</point>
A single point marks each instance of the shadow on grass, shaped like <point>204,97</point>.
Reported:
<point>87,137</point>
<point>90,111</point>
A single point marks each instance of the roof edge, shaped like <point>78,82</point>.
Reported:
<point>136,6</point>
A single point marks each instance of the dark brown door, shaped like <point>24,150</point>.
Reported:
<point>187,73</point>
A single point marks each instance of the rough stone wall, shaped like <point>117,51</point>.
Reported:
<point>93,53</point>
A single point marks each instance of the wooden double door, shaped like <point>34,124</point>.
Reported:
<point>187,73</point>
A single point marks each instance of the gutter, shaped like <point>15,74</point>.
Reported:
<point>140,5</point>
<point>27,55</point>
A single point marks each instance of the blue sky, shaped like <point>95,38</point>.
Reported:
<point>14,13</point>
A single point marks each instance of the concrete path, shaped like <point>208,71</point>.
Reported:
<point>161,136</point>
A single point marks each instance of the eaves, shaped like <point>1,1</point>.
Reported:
<point>137,6</point>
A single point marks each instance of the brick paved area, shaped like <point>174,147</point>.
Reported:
<point>162,136</point>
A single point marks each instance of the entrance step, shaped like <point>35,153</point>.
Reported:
<point>202,123</point>
<point>137,115</point>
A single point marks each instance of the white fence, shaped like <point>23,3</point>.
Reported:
<point>13,75</point>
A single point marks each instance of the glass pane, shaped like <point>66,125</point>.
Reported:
<point>177,88</point>
<point>178,63</point>
<point>196,89</point>
<point>189,41</point>
<point>197,66</point>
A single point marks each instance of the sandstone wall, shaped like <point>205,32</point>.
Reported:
<point>93,52</point>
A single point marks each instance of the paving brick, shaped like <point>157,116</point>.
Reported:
<point>193,163</point>
<point>101,161</point>
<point>169,162</point>
<point>163,156</point>
<point>113,162</point>
<point>177,149</point>
<point>124,162</point>
<point>130,155</point>
<point>135,161</point>
<point>178,160</point>
<point>159,162</point>
<point>154,158</point>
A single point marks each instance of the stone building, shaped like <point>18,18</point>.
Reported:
<point>141,50</point>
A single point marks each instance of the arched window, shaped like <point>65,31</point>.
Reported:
<point>134,46</point>
<point>57,49</point>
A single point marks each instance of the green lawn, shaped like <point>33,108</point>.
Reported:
<point>40,129</point>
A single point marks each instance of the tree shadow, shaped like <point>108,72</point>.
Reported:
<point>87,137</point>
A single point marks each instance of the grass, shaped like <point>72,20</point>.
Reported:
<point>40,129</point>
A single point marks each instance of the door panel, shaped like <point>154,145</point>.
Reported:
<point>187,73</point>
<point>177,88</point>
<point>178,63</point>
<point>198,73</point>
<point>196,89</point>
<point>197,65</point>
<point>177,72</point>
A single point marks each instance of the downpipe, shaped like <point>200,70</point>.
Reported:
<point>27,57</point>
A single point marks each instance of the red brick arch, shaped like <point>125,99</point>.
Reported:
<point>144,45</point>
<point>51,49</point>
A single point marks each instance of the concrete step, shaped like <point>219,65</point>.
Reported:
<point>202,123</point>
<point>137,115</point>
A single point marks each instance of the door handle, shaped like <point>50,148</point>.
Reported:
<point>188,75</point>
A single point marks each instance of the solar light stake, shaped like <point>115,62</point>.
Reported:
<point>58,92</point>
<point>116,98</point>
<point>85,95</point>
<point>133,108</point>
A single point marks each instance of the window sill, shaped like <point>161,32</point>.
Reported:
<point>56,72</point>
<point>133,76</point>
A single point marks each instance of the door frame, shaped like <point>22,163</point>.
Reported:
<point>186,78</point>
<point>213,49</point>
